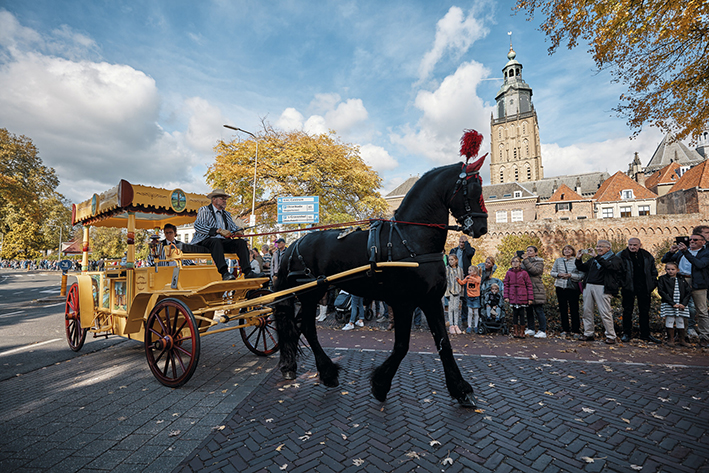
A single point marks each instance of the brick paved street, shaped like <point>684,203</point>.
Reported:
<point>535,415</point>
<point>105,410</point>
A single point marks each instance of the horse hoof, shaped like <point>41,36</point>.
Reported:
<point>380,396</point>
<point>289,375</point>
<point>330,383</point>
<point>467,400</point>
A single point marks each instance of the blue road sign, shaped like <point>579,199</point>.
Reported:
<point>299,209</point>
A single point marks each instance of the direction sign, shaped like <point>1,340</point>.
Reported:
<point>299,209</point>
<point>65,265</point>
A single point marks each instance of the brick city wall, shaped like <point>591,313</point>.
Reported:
<point>652,230</point>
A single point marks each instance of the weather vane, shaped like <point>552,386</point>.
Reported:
<point>509,33</point>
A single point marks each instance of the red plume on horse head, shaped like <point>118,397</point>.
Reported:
<point>469,147</point>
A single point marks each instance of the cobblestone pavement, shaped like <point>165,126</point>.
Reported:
<point>105,410</point>
<point>534,415</point>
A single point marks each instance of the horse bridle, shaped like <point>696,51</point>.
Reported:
<point>466,220</point>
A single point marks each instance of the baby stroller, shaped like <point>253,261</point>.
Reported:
<point>343,307</point>
<point>494,323</point>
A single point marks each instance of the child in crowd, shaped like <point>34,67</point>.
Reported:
<point>492,302</point>
<point>518,294</point>
<point>675,293</point>
<point>453,273</point>
<point>472,297</point>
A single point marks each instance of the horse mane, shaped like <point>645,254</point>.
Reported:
<point>423,185</point>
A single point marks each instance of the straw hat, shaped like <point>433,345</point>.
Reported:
<point>218,193</point>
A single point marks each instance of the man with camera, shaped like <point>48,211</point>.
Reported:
<point>600,285</point>
<point>639,280</point>
<point>693,263</point>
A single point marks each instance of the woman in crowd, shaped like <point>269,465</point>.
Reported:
<point>568,278</point>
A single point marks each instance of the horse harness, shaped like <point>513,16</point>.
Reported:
<point>466,220</point>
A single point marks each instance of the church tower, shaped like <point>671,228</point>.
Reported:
<point>515,152</point>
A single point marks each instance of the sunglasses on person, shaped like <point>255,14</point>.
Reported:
<point>696,239</point>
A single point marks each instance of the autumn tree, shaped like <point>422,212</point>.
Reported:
<point>297,164</point>
<point>31,210</point>
<point>658,48</point>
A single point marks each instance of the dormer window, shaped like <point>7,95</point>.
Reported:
<point>518,194</point>
<point>627,194</point>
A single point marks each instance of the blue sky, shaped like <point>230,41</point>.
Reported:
<point>140,90</point>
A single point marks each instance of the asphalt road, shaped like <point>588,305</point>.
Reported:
<point>32,332</point>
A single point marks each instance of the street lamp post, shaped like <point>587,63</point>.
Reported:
<point>252,220</point>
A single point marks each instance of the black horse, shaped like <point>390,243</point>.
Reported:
<point>419,234</point>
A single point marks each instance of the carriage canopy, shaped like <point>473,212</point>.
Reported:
<point>152,207</point>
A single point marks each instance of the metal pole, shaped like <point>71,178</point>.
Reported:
<point>252,220</point>
<point>60,243</point>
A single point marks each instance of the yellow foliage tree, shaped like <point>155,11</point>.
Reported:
<point>297,164</point>
<point>658,48</point>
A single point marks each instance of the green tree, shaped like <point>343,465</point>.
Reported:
<point>658,48</point>
<point>297,164</point>
<point>31,211</point>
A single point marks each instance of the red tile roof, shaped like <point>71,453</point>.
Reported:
<point>698,176</point>
<point>610,190</point>
<point>666,175</point>
<point>564,193</point>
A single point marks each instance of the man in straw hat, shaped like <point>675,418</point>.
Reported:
<point>214,228</point>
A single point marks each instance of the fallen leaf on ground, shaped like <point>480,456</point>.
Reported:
<point>447,461</point>
<point>587,459</point>
<point>636,467</point>
<point>434,443</point>
<point>588,409</point>
<point>174,433</point>
<point>284,466</point>
<point>358,462</point>
<point>278,448</point>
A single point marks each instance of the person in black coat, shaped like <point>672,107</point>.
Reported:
<point>639,279</point>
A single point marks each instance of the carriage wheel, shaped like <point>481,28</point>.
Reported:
<point>261,339</point>
<point>172,342</point>
<point>75,335</point>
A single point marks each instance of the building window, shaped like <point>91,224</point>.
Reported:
<point>526,148</point>
<point>563,206</point>
<point>501,216</point>
<point>502,175</point>
<point>492,197</point>
<point>626,194</point>
<point>518,194</point>
<point>563,218</point>
<point>529,172</point>
<point>607,212</point>
<point>644,210</point>
<point>580,217</point>
<point>517,215</point>
<point>524,128</point>
<point>499,133</point>
<point>516,171</point>
<point>515,154</point>
<point>626,212</point>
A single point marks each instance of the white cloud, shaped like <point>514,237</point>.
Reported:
<point>447,111</point>
<point>323,103</point>
<point>455,33</point>
<point>94,122</point>
<point>610,155</point>
<point>331,114</point>
<point>204,125</point>
<point>346,116</point>
<point>290,119</point>
<point>377,157</point>
<point>315,125</point>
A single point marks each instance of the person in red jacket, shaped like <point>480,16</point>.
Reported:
<point>518,294</point>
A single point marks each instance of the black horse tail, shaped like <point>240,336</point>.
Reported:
<point>287,328</point>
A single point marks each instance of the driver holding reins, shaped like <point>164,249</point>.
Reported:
<point>214,229</point>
